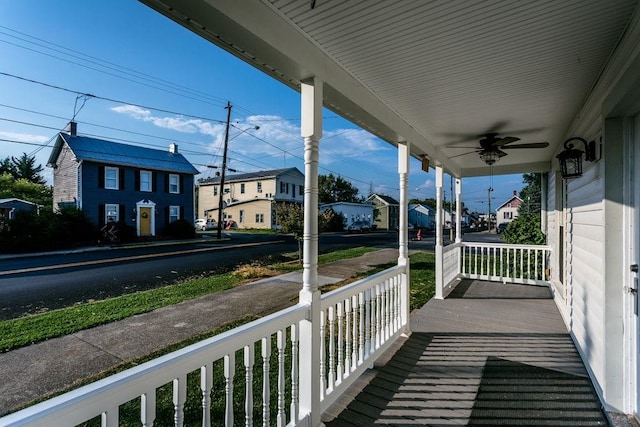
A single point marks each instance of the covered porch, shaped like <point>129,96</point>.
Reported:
<point>489,354</point>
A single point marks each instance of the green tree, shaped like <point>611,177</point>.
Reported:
<point>24,189</point>
<point>291,219</point>
<point>531,194</point>
<point>23,167</point>
<point>334,189</point>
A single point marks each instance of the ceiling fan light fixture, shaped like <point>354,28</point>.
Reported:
<point>489,157</point>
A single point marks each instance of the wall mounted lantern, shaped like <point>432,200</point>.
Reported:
<point>571,158</point>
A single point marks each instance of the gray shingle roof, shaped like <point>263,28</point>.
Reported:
<point>114,153</point>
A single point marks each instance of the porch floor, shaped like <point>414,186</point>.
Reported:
<point>489,354</point>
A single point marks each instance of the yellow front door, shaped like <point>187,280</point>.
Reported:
<point>145,221</point>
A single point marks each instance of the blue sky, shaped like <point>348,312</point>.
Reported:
<point>155,83</point>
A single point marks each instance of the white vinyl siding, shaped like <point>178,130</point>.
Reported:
<point>111,178</point>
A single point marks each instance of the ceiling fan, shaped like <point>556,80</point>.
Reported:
<point>491,146</point>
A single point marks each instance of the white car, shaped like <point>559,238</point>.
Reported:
<point>202,224</point>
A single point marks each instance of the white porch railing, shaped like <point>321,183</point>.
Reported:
<point>256,364</point>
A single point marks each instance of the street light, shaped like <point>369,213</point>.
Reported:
<point>224,165</point>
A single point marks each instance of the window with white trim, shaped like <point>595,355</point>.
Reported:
<point>241,218</point>
<point>145,181</point>
<point>174,183</point>
<point>282,187</point>
<point>242,188</point>
<point>111,212</point>
<point>259,186</point>
<point>174,213</point>
<point>259,218</point>
<point>111,178</point>
<point>215,190</point>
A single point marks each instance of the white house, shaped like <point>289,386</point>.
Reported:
<point>508,211</point>
<point>351,212</point>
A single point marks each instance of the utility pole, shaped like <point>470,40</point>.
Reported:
<point>489,217</point>
<point>224,170</point>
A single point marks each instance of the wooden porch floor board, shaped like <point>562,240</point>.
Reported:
<point>489,354</point>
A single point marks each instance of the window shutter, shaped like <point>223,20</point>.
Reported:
<point>181,212</point>
<point>154,181</point>
<point>122,213</point>
<point>181,183</point>
<point>101,177</point>
<point>166,182</point>
<point>121,179</point>
<point>137,180</point>
<point>166,215</point>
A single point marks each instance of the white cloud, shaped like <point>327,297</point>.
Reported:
<point>24,137</point>
<point>179,123</point>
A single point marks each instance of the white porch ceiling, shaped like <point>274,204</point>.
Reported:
<point>436,73</point>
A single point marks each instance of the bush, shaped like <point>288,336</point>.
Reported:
<point>30,232</point>
<point>180,229</point>
<point>525,230</point>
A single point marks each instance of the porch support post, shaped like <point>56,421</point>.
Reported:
<point>544,194</point>
<point>309,354</point>
<point>404,149</point>
<point>439,278</point>
<point>458,210</point>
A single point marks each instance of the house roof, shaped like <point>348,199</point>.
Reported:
<point>115,153</point>
<point>386,199</point>
<point>509,201</point>
<point>252,176</point>
<point>438,74</point>
<point>14,199</point>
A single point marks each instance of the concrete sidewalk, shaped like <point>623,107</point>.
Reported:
<point>46,368</point>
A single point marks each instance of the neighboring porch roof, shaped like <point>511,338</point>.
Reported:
<point>436,74</point>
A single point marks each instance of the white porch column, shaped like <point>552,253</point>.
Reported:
<point>544,194</point>
<point>311,130</point>
<point>439,279</point>
<point>403,244</point>
<point>458,210</point>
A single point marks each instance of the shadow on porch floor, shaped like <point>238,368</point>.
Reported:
<point>489,354</point>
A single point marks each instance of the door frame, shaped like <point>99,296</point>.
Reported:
<point>146,204</point>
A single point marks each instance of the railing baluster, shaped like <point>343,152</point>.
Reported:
<point>354,325</point>
<point>179,397</point>
<point>110,418</point>
<point>340,367</point>
<point>266,385</point>
<point>229,373</point>
<point>206,383</point>
<point>248,384</point>
<point>522,263</point>
<point>387,311</point>
<point>148,408</point>
<point>347,338</point>
<point>528,263</point>
<point>332,348</point>
<point>361,321</point>
<point>367,332</point>
<point>378,316</point>
<point>282,346</point>
<point>295,398</point>
<point>322,350</point>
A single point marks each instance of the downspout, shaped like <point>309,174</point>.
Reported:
<point>458,211</point>
<point>79,188</point>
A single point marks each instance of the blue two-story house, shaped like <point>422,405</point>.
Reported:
<point>138,186</point>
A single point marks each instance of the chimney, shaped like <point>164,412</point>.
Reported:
<point>515,192</point>
<point>72,128</point>
<point>173,148</point>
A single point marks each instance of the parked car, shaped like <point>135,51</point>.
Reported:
<point>202,224</point>
<point>501,227</point>
<point>359,227</point>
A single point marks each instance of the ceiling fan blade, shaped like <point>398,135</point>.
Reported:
<point>506,140</point>
<point>464,154</point>
<point>530,145</point>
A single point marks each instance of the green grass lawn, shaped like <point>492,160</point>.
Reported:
<point>15,333</point>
